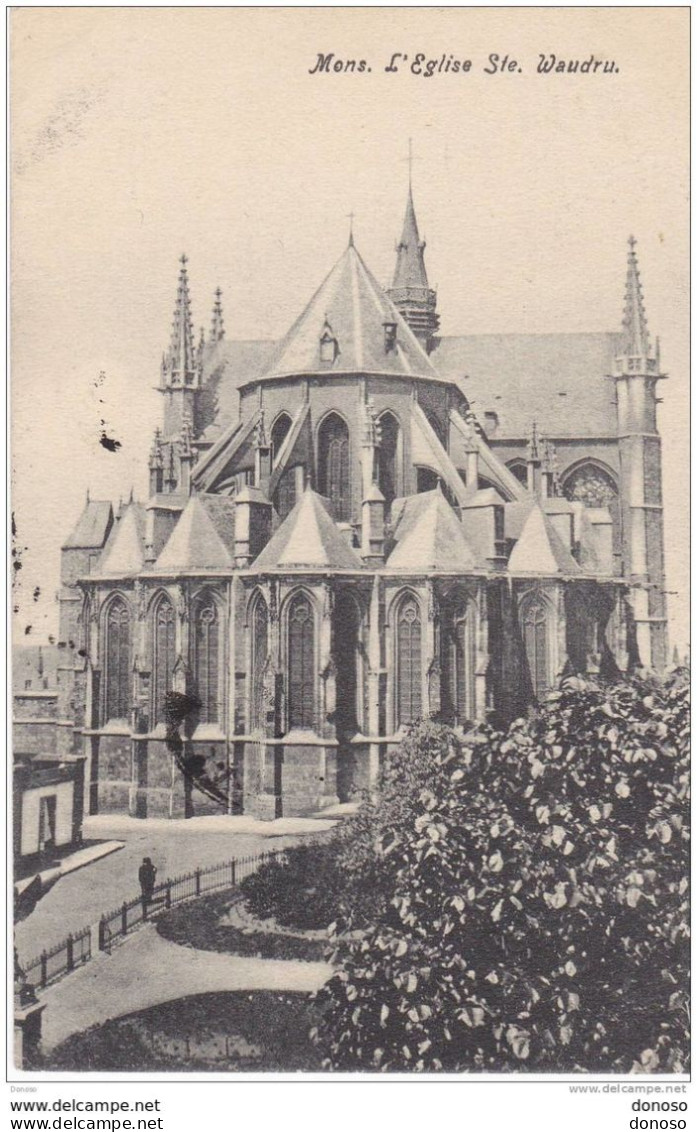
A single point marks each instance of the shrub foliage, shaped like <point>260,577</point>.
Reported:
<point>523,896</point>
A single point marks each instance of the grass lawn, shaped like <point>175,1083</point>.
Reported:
<point>198,925</point>
<point>235,1031</point>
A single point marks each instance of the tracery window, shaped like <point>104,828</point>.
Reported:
<point>164,656</point>
<point>206,641</point>
<point>301,664</point>
<point>591,485</point>
<point>117,674</point>
<point>388,457</point>
<point>458,656</point>
<point>535,616</point>
<point>259,652</point>
<point>334,465</point>
<point>409,662</point>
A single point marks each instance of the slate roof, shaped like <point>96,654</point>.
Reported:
<point>203,539</point>
<point>308,537</point>
<point>559,380</point>
<point>352,307</point>
<point>92,528</point>
<point>125,550</point>
<point>428,535</point>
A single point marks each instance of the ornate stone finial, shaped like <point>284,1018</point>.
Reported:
<point>372,430</point>
<point>260,440</point>
<point>217,323</point>
<point>533,442</point>
<point>156,451</point>
<point>171,481</point>
<point>634,325</point>
<point>186,437</point>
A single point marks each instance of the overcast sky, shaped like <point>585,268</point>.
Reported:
<point>138,134</point>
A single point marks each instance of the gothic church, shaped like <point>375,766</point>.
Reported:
<point>335,544</point>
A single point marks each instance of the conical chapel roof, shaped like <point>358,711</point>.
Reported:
<point>429,536</point>
<point>349,312</point>
<point>308,537</point>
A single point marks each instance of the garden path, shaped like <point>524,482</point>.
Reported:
<point>145,970</point>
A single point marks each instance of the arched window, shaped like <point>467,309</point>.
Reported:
<point>259,625</point>
<point>389,457</point>
<point>594,486</point>
<point>117,668</point>
<point>426,479</point>
<point>535,619</point>
<point>350,667</point>
<point>280,430</point>
<point>409,664</point>
<point>285,495</point>
<point>458,655</point>
<point>206,642</point>
<point>520,470</point>
<point>164,656</point>
<point>301,664</point>
<point>334,465</point>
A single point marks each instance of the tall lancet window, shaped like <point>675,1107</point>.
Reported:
<point>164,656</point>
<point>285,495</point>
<point>280,430</point>
<point>206,641</point>
<point>301,664</point>
<point>259,652</point>
<point>334,467</point>
<point>535,617</point>
<point>389,457</point>
<point>117,674</point>
<point>409,662</point>
<point>458,643</point>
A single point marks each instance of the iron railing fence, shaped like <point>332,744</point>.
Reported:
<point>76,949</point>
<point>57,961</point>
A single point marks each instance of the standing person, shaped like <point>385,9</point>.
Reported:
<point>146,875</point>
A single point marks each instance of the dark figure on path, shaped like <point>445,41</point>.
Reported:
<point>146,875</point>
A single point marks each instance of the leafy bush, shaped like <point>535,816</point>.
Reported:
<point>347,879</point>
<point>538,910</point>
<point>301,889</point>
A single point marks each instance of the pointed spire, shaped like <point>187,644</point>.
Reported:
<point>634,325</point>
<point>410,269</point>
<point>217,323</point>
<point>351,218</point>
<point>180,362</point>
<point>410,291</point>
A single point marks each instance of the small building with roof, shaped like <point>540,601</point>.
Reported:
<point>335,544</point>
